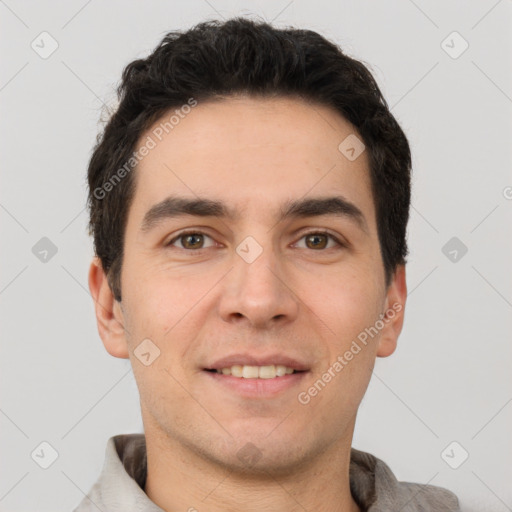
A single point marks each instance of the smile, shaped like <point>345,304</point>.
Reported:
<point>256,372</point>
<point>262,382</point>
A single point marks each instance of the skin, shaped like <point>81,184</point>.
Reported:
<point>295,298</point>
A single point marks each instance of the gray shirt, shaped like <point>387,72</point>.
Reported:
<point>120,487</point>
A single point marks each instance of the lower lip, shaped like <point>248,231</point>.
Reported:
<point>254,388</point>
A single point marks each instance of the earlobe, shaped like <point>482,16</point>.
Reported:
<point>394,313</point>
<point>109,316</point>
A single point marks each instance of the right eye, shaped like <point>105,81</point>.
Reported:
<point>190,240</point>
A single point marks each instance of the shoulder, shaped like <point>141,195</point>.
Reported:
<point>377,488</point>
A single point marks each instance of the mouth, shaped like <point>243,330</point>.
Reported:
<point>255,372</point>
<point>254,382</point>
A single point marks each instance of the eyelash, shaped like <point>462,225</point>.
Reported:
<point>196,232</point>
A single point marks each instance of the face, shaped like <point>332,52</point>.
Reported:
<point>279,268</point>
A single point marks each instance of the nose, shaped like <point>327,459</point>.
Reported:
<point>259,293</point>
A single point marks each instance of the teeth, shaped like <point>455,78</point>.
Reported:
<point>256,372</point>
<point>250,372</point>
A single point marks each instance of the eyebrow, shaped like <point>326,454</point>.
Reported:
<point>175,206</point>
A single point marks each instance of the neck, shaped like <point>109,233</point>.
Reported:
<point>181,478</point>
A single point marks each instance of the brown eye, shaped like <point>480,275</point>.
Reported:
<point>192,240</point>
<point>318,241</point>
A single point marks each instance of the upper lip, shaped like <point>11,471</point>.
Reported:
<point>257,360</point>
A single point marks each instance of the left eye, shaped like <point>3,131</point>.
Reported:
<point>319,240</point>
<point>194,240</point>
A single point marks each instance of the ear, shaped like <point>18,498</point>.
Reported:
<point>394,313</point>
<point>109,315</point>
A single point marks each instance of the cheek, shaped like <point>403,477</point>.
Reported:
<point>165,311</point>
<point>347,303</point>
<point>349,310</point>
<point>157,300</point>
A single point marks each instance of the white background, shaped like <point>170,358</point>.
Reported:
<point>449,379</point>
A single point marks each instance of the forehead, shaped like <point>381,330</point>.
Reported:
<point>254,155</point>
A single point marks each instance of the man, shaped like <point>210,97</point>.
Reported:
<point>249,201</point>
